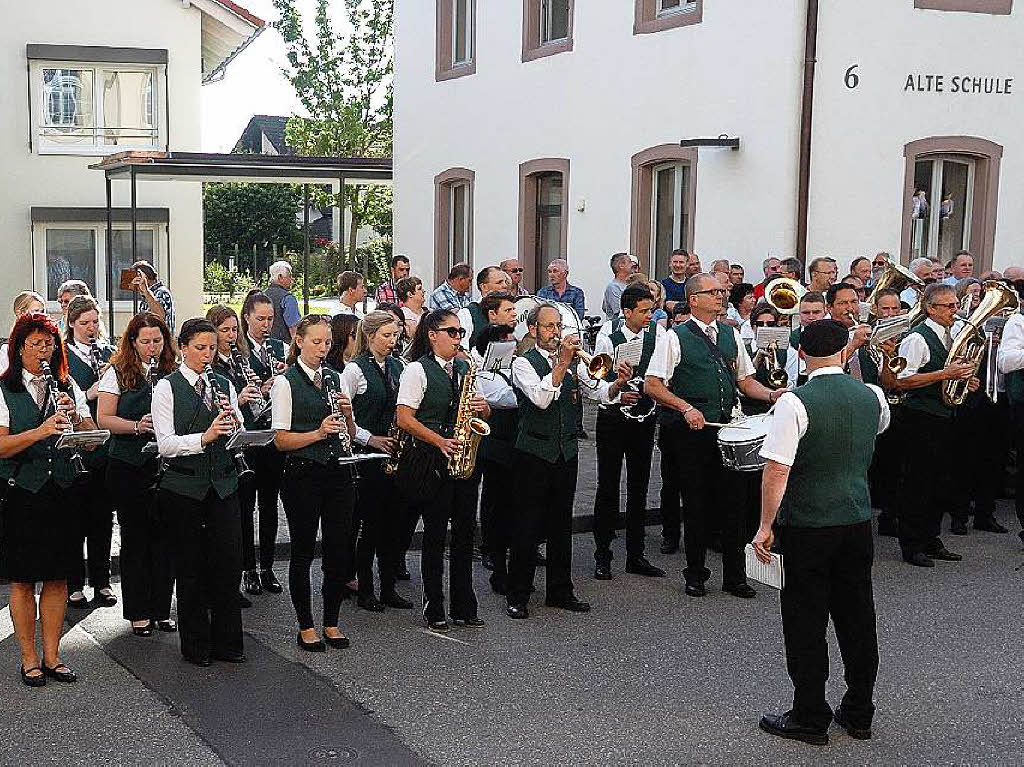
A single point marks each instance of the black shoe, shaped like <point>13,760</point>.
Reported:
<point>640,566</point>
<point>244,601</point>
<point>958,527</point>
<point>570,603</point>
<point>487,562</point>
<point>167,626</point>
<point>437,626</point>
<point>33,681</point>
<point>695,590</point>
<point>741,590</point>
<point>989,525</point>
<point>403,574</point>
<point>270,582</point>
<point>784,727</point>
<point>79,604</point>
<point>603,570</point>
<point>201,660</point>
<point>371,603</point>
<point>229,656</point>
<point>860,733</point>
<point>251,582</point>
<point>99,599</point>
<point>338,643</point>
<point>67,675</point>
<point>918,560</point>
<point>317,646</point>
<point>517,611</point>
<point>944,554</point>
<point>539,558</point>
<point>143,631</point>
<point>888,526</point>
<point>470,623</point>
<point>396,600</point>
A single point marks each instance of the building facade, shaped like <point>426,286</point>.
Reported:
<point>552,128</point>
<point>80,84</point>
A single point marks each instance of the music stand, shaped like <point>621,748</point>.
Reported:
<point>82,440</point>
<point>241,440</point>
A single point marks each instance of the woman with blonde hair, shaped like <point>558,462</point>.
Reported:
<point>26,302</point>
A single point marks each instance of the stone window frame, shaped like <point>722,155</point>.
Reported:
<point>992,7</point>
<point>987,156</point>
<point>532,47</point>
<point>443,183</point>
<point>528,173</point>
<point>646,20</point>
<point>445,67</point>
<point>641,197</point>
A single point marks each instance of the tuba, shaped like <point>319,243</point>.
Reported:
<point>971,342</point>
<point>896,277</point>
<point>469,430</point>
<point>784,294</point>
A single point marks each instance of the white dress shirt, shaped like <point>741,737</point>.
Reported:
<point>1011,349</point>
<point>281,397</point>
<point>794,366</point>
<point>910,297</point>
<point>542,392</point>
<point>81,403</point>
<point>108,383</point>
<point>914,349</point>
<point>340,307</point>
<point>668,355</point>
<point>354,382</point>
<point>466,321</point>
<point>494,387</point>
<point>413,384</point>
<point>604,345</point>
<point>170,444</point>
<point>788,424</point>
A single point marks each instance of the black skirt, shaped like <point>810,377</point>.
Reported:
<point>36,538</point>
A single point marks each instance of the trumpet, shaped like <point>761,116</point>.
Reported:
<point>885,330</point>
<point>598,365</point>
<point>777,376</point>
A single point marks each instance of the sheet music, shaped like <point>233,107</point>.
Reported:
<point>770,575</point>
<point>766,336</point>
<point>499,356</point>
<point>630,352</point>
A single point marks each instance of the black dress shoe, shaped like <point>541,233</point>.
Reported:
<point>316,646</point>
<point>244,601</point>
<point>99,599</point>
<point>958,527</point>
<point>603,570</point>
<point>167,626</point>
<point>198,660</point>
<point>989,525</point>
<point>859,733</point>
<point>570,603</point>
<point>641,566</point>
<point>741,590</point>
<point>338,643</point>
<point>251,582</point>
<point>695,590</point>
<point>783,726</point>
<point>918,560</point>
<point>396,600</point>
<point>143,631</point>
<point>60,672</point>
<point>371,603</point>
<point>517,611</point>
<point>669,545</point>
<point>469,623</point>
<point>487,561</point>
<point>229,656</point>
<point>81,603</point>
<point>437,626</point>
<point>944,554</point>
<point>270,582</point>
<point>35,680</point>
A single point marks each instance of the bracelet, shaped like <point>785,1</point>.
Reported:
<point>136,428</point>
<point>687,410</point>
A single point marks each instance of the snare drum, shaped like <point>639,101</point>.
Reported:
<point>740,443</point>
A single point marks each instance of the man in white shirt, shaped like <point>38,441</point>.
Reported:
<point>924,269</point>
<point>490,279</point>
<point>351,291</point>
<point>962,268</point>
<point>1010,360</point>
<point>812,308</point>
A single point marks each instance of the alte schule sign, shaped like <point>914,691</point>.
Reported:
<point>962,83</point>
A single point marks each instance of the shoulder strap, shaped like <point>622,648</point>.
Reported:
<point>715,351</point>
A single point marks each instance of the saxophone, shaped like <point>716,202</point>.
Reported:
<point>469,430</point>
<point>402,440</point>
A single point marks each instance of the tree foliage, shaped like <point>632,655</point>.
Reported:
<point>260,215</point>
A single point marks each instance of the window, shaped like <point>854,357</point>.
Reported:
<point>547,28</point>
<point>994,7</point>
<point>453,220</point>
<point>651,16</point>
<point>662,205</point>
<point>950,194</point>
<point>456,39</point>
<point>543,217</point>
<point>98,108</point>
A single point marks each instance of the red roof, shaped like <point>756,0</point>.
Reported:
<point>241,12</point>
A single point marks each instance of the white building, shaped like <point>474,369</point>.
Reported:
<point>548,128</point>
<point>83,80</point>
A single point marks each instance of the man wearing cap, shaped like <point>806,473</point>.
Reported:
<point>815,494</point>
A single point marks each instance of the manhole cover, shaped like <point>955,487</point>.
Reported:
<point>329,754</point>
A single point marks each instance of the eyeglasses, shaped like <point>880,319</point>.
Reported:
<point>553,326</point>
<point>518,270</point>
<point>713,292</point>
<point>880,263</point>
<point>948,305</point>
<point>44,345</point>
<point>453,333</point>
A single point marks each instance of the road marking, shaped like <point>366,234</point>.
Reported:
<point>434,634</point>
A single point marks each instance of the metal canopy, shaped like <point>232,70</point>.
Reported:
<point>722,142</point>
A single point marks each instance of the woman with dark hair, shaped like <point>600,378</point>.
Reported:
<point>427,404</point>
<point>194,412</point>
<point>741,303</point>
<point>343,340</point>
<point>315,489</point>
<point>763,315</point>
<point>37,542</point>
<point>88,354</point>
<point>124,406</point>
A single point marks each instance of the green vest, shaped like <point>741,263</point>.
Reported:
<point>699,378</point>
<point>84,376</point>
<point>132,405</point>
<point>828,482</point>
<point>617,337</point>
<point>928,399</point>
<point>374,409</point>
<point>277,350</point>
<point>794,337</point>
<point>440,402</point>
<point>868,369</point>
<point>309,409</point>
<point>479,321</point>
<point>34,466</point>
<point>553,432</point>
<point>195,475</point>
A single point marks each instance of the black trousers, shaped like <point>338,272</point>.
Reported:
<point>147,575</point>
<point>317,497</point>
<point>261,491</point>
<point>207,550</point>
<point>928,485</point>
<point>620,439</point>
<point>453,504</point>
<point>888,466</point>
<point>381,525</point>
<point>980,434</point>
<point>671,491</point>
<point>1017,412</point>
<point>714,500</point>
<point>493,485</point>
<point>828,573</point>
<point>501,506</point>
<point>93,527</point>
<point>545,501</point>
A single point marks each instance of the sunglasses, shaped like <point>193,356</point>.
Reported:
<point>453,333</point>
<point>518,270</point>
<point>764,323</point>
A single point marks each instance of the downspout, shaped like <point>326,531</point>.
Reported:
<point>806,115</point>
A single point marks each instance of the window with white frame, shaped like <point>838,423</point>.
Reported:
<point>668,7</point>
<point>462,32</point>
<point>458,230</point>
<point>97,108</point>
<point>670,217</point>
<point>652,16</point>
<point>941,208</point>
<point>554,20</point>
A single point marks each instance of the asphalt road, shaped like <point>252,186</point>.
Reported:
<point>650,677</point>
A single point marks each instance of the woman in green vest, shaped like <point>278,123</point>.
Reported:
<point>316,490</point>
<point>145,355</point>
<point>194,412</point>
<point>372,380</point>
<point>428,403</point>
<point>37,539</point>
<point>88,354</point>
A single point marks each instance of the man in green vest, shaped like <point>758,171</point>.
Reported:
<point>1011,364</point>
<point>815,492</point>
<point>844,307</point>
<point>620,438</point>
<point>490,279</point>
<point>928,423</point>
<point>694,374</point>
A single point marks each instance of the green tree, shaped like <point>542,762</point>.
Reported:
<point>345,83</point>
<point>251,215</point>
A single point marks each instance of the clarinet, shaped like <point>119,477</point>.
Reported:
<point>331,392</point>
<point>94,358</point>
<point>261,408</point>
<point>51,386</point>
<point>224,403</point>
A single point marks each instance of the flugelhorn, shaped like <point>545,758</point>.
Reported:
<point>784,294</point>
